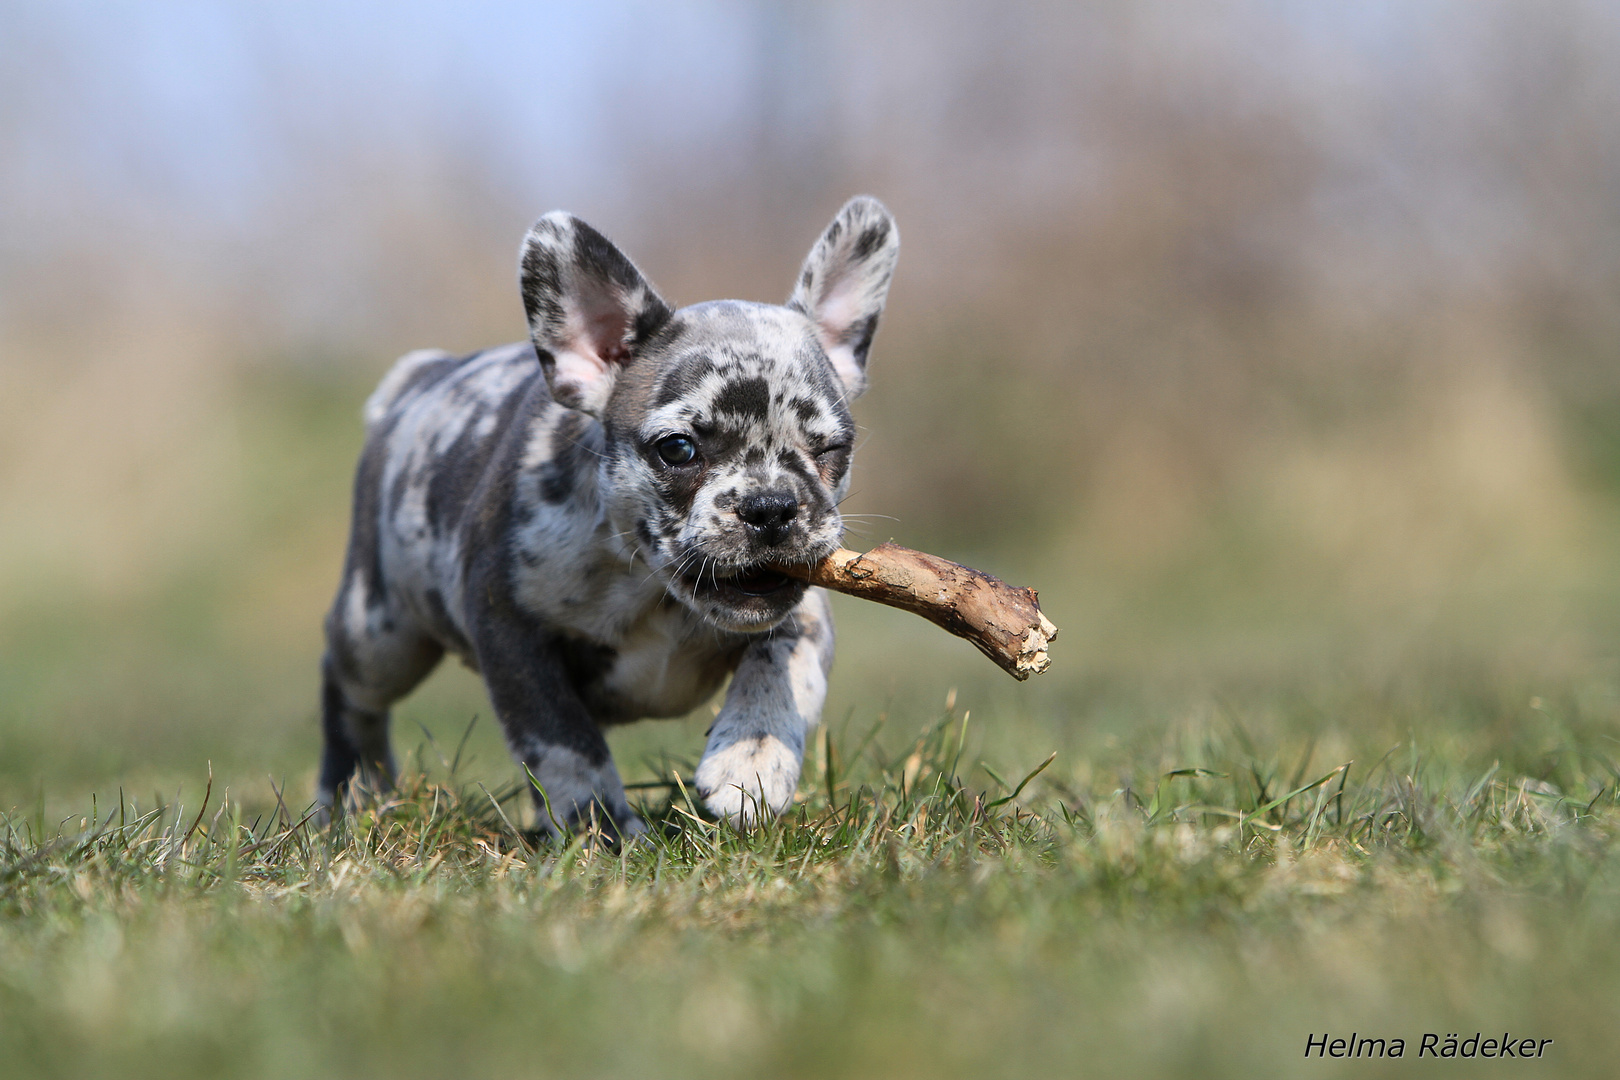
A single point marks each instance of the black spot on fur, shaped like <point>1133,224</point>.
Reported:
<point>339,758</point>
<point>818,371</point>
<point>556,483</point>
<point>794,464</point>
<point>647,323</point>
<point>665,522</point>
<point>871,240</point>
<point>602,261</point>
<point>808,410</point>
<point>571,455</point>
<point>833,464</point>
<point>666,334</point>
<point>750,398</point>
<point>438,616</point>
<point>683,379</point>
<point>455,475</point>
<point>586,662</point>
<point>452,478</point>
<point>541,282</point>
<point>527,670</point>
<point>859,338</point>
<point>434,600</point>
<point>680,488</point>
<point>365,547</point>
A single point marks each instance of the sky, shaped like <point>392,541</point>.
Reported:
<point>204,135</point>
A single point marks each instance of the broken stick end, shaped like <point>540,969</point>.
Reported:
<point>1033,658</point>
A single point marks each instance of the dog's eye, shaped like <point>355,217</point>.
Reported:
<point>677,450</point>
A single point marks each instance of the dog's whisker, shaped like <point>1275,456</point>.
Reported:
<point>576,444</point>
<point>680,567</point>
<point>631,550</point>
<point>654,571</point>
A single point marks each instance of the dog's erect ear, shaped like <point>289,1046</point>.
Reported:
<point>589,308</point>
<point>844,283</point>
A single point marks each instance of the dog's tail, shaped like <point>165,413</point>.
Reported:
<point>406,373</point>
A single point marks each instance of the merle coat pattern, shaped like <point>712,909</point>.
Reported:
<point>590,520</point>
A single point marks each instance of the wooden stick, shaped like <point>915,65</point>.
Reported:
<point>1003,621</point>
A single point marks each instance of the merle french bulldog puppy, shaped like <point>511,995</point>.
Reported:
<point>593,521</point>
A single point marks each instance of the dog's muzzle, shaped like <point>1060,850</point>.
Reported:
<point>749,596</point>
<point>750,581</point>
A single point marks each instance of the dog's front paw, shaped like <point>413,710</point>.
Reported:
<point>745,780</point>
<point>572,793</point>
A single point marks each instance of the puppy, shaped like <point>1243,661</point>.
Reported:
<point>593,521</point>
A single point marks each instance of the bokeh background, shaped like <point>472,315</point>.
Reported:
<point>1275,343</point>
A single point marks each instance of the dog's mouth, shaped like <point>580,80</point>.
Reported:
<point>745,596</point>
<point>738,582</point>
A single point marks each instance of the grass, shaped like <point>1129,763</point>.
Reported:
<point>1290,796</point>
<point>1195,920</point>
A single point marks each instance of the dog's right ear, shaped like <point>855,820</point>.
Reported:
<point>844,283</point>
<point>589,308</point>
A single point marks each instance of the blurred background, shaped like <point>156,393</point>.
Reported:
<point>1275,344</point>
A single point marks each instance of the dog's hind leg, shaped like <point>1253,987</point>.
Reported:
<point>362,674</point>
<point>343,731</point>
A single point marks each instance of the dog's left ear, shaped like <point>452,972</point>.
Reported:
<point>589,309</point>
<point>844,283</point>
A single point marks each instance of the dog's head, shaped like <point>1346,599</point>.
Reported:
<point>727,427</point>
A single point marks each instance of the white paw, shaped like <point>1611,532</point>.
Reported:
<point>744,780</point>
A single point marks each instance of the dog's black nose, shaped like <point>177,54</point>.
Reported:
<point>769,515</point>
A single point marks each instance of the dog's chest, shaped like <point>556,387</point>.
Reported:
<point>664,666</point>
<point>643,653</point>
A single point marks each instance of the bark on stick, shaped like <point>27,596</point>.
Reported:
<point>1005,622</point>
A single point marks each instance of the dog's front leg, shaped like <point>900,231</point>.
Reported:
<point>548,728</point>
<point>751,765</point>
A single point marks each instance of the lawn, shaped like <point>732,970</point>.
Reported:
<point>1200,906</point>
<point>1258,801</point>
